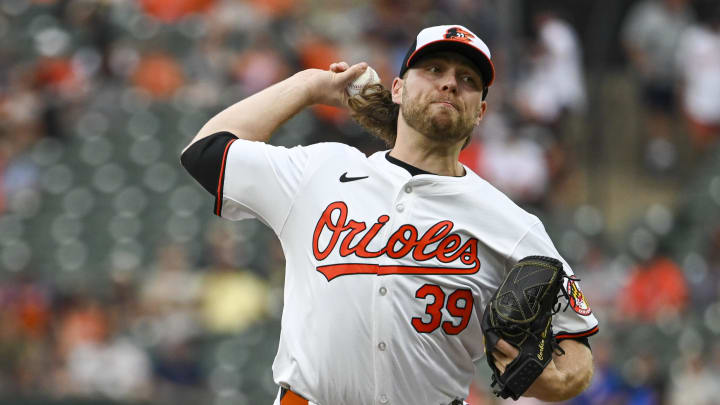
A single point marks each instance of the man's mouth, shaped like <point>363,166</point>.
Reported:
<point>446,104</point>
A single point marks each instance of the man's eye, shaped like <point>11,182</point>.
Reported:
<point>433,68</point>
<point>469,80</point>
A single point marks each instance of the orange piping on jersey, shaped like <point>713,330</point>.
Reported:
<point>218,196</point>
<point>579,334</point>
<point>332,271</point>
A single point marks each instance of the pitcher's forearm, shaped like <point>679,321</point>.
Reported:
<point>569,375</point>
<point>256,117</point>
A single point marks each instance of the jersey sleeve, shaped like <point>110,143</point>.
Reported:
<point>248,179</point>
<point>261,181</point>
<point>577,320</point>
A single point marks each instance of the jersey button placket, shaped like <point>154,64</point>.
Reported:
<point>384,302</point>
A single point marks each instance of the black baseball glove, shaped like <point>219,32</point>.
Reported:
<point>520,312</point>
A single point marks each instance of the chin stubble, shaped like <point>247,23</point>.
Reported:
<point>418,116</point>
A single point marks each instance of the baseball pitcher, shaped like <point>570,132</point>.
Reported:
<point>404,267</point>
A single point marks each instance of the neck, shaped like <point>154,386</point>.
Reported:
<point>427,154</point>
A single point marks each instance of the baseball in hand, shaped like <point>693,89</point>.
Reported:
<point>369,76</point>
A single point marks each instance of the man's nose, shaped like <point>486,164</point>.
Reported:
<point>449,82</point>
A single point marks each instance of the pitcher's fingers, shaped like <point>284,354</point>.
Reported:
<point>339,67</point>
<point>352,72</point>
<point>500,365</point>
<point>501,361</point>
<point>507,349</point>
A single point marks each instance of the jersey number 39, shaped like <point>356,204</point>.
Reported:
<point>459,305</point>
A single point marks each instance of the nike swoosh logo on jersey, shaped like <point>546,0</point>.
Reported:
<point>344,178</point>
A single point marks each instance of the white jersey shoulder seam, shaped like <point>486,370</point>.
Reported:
<point>307,174</point>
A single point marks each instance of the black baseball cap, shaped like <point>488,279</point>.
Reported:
<point>453,38</point>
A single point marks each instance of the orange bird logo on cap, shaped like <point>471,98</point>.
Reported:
<point>459,34</point>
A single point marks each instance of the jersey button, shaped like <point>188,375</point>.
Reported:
<point>408,189</point>
<point>383,399</point>
<point>383,290</point>
<point>382,346</point>
<point>400,207</point>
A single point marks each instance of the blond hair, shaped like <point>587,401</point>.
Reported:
<point>375,111</point>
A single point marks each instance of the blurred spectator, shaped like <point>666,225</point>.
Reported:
<point>275,8</point>
<point>232,299</point>
<point>715,361</point>
<point>694,383</point>
<point>511,160</point>
<point>116,368</point>
<point>650,36</point>
<point>5,155</point>
<point>159,74</point>
<point>83,321</point>
<point>598,277</point>
<point>698,60</point>
<point>25,327</point>
<point>170,286</point>
<point>517,165</point>
<point>170,296</point>
<point>551,88</point>
<point>260,66</point>
<point>317,52</point>
<point>607,386</point>
<point>178,363</point>
<point>172,10</point>
<point>554,84</point>
<point>58,85</point>
<point>654,288</point>
<point>31,306</point>
<point>19,173</point>
<point>21,109</point>
<point>58,75</point>
<point>645,381</point>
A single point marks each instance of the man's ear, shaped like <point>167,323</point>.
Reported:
<point>481,113</point>
<point>396,90</point>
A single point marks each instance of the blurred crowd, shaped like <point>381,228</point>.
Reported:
<point>195,318</point>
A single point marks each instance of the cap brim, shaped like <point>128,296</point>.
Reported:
<point>481,60</point>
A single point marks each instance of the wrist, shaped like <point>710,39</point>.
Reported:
<point>305,83</point>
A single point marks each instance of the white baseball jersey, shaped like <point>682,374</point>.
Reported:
<point>387,274</point>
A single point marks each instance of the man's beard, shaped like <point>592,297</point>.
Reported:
<point>439,128</point>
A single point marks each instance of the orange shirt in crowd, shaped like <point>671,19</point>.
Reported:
<point>159,74</point>
<point>172,10</point>
<point>654,287</point>
<point>84,324</point>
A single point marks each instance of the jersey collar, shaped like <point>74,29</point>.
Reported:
<point>414,171</point>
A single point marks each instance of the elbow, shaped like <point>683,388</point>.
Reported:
<point>575,386</point>
<point>586,381</point>
<point>566,389</point>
